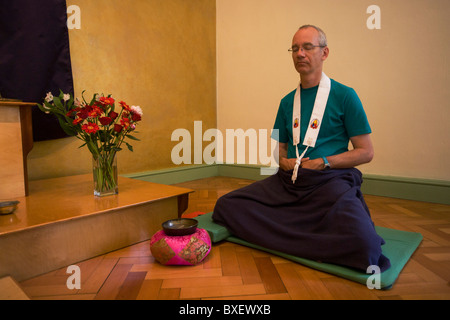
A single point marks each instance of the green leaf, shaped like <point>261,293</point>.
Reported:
<point>130,147</point>
<point>70,103</point>
<point>69,129</point>
<point>58,103</point>
<point>50,106</point>
<point>93,99</point>
<point>42,108</point>
<point>82,96</point>
<point>92,147</point>
<point>132,137</point>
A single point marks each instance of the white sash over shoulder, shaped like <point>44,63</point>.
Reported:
<point>314,123</point>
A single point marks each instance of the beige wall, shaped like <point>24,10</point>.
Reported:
<point>401,72</point>
<point>162,56</point>
<point>159,55</point>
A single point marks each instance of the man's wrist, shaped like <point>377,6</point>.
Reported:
<point>326,164</point>
<point>284,163</point>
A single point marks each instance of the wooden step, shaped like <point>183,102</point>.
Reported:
<point>61,222</point>
<point>232,271</point>
<point>10,290</point>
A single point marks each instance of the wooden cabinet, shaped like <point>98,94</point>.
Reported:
<point>16,141</point>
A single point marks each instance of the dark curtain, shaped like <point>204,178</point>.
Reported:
<point>35,57</point>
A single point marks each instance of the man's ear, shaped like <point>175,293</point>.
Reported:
<point>325,53</point>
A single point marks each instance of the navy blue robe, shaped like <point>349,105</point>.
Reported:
<point>322,217</point>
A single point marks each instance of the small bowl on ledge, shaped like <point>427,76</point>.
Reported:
<point>8,207</point>
<point>180,227</point>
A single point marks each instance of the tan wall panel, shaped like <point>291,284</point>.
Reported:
<point>159,55</point>
<point>400,72</point>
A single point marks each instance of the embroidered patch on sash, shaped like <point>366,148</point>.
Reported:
<point>315,124</point>
<point>296,123</point>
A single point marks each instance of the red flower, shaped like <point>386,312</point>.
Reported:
<point>113,115</point>
<point>94,111</point>
<point>83,113</point>
<point>77,121</point>
<point>70,113</point>
<point>105,120</point>
<point>125,122</point>
<point>117,128</point>
<point>90,127</point>
<point>101,125</point>
<point>124,105</point>
<point>135,117</point>
<point>106,101</point>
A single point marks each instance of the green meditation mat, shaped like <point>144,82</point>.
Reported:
<point>399,247</point>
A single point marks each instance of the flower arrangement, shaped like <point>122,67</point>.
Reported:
<point>102,128</point>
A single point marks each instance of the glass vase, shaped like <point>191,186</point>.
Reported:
<point>105,175</point>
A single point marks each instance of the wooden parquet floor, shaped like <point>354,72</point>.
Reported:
<point>232,271</point>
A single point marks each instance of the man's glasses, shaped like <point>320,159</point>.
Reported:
<point>303,48</point>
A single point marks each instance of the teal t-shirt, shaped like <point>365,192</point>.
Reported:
<point>344,117</point>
